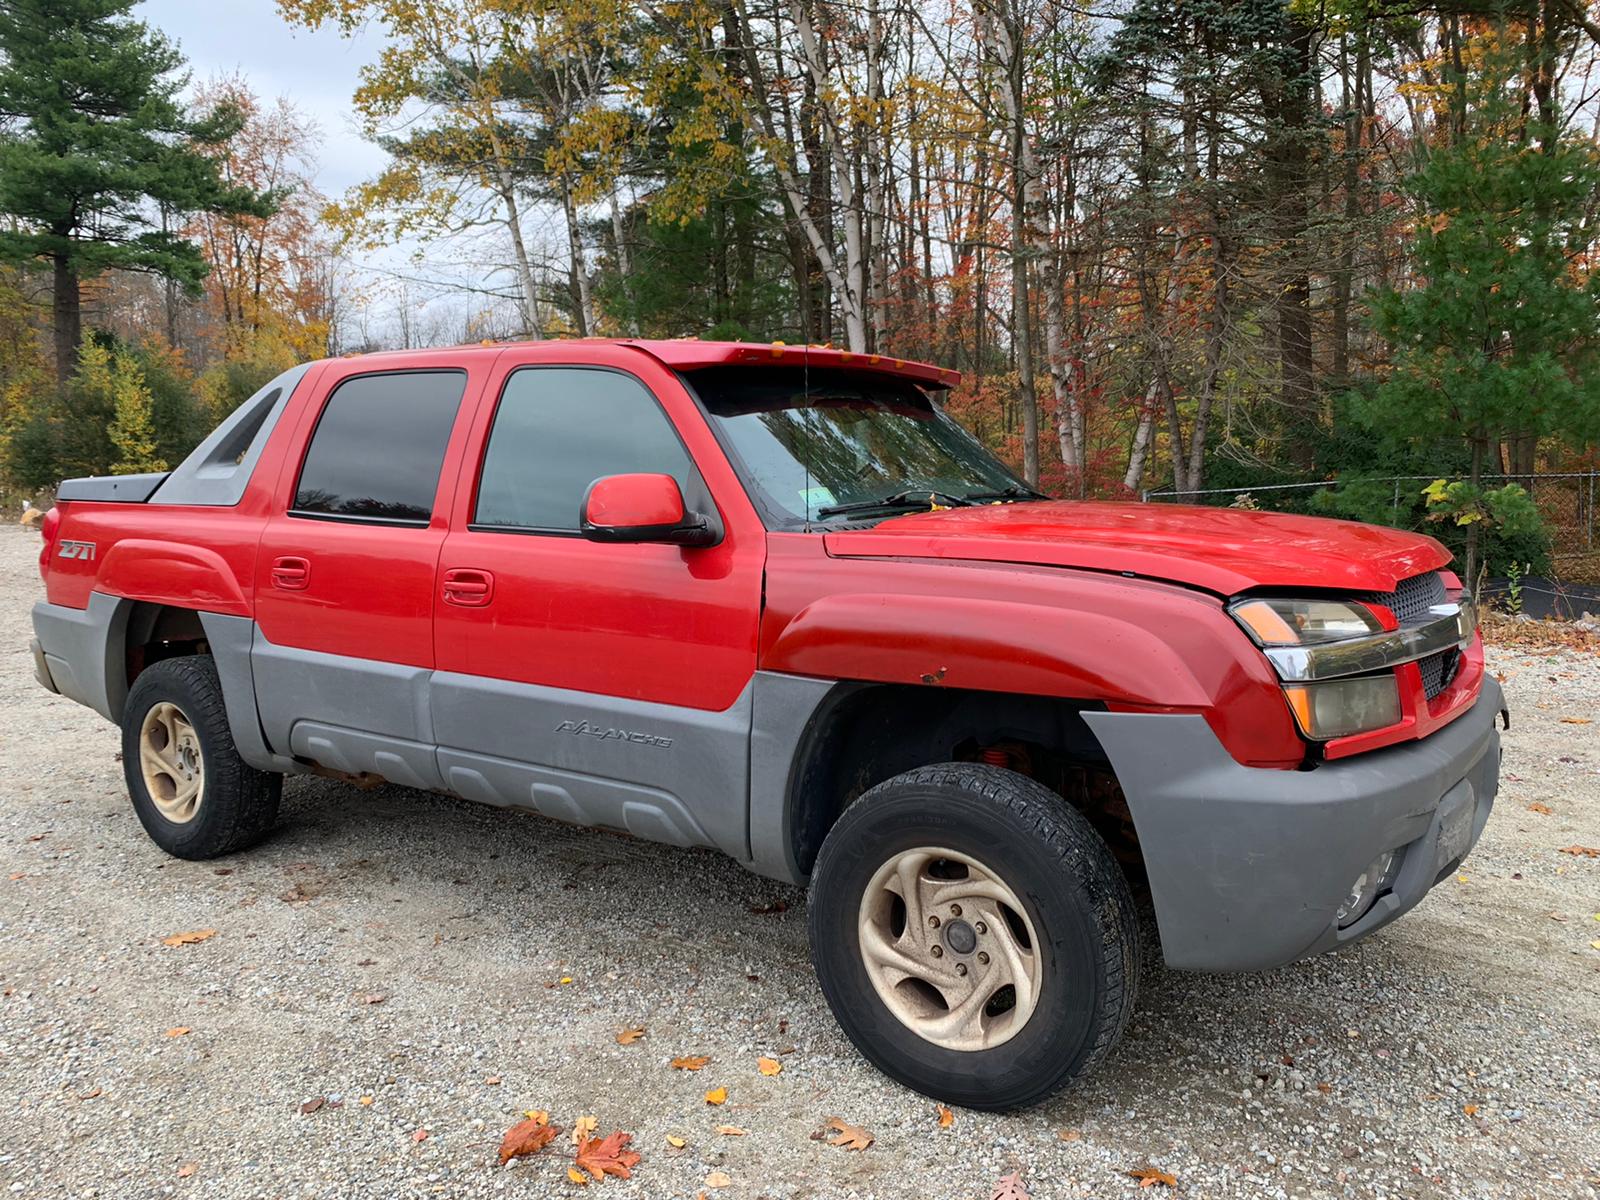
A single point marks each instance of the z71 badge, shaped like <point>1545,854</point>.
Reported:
<point>83,550</point>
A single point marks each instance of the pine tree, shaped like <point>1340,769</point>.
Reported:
<point>97,147</point>
<point>133,432</point>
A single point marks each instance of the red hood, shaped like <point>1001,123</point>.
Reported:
<point>1224,550</point>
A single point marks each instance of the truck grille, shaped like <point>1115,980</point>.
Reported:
<point>1410,601</point>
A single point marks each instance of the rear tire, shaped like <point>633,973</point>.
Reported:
<point>1037,959</point>
<point>193,794</point>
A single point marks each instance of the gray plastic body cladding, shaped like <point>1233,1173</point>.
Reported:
<point>1247,866</point>
<point>659,771</point>
<point>83,651</point>
<point>231,639</point>
<point>783,708</point>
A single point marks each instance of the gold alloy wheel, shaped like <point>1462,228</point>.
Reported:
<point>170,760</point>
<point>950,949</point>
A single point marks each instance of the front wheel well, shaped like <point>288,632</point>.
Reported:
<point>863,734</point>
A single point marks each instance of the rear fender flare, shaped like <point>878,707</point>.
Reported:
<point>170,573</point>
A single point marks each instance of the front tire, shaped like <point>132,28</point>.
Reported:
<point>193,794</point>
<point>973,935</point>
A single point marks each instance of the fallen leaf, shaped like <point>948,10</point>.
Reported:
<point>676,1142</point>
<point>190,938</point>
<point>851,1137</point>
<point>631,1035</point>
<point>366,1102</point>
<point>187,1170</point>
<point>1577,721</point>
<point>565,979</point>
<point>608,1156</point>
<point>1594,945</point>
<point>420,1135</point>
<point>16,875</point>
<point>374,998</point>
<point>691,1062</point>
<point>1010,1188</point>
<point>525,1138</point>
<point>1470,1109</point>
<point>946,1117</point>
<point>731,1131</point>
<point>768,910</point>
<point>768,1066</point>
<point>717,1096</point>
<point>1324,1088</point>
<point>1585,851</point>
<point>581,1128</point>
<point>1539,808</point>
<point>176,1031</point>
<point>1070,1135</point>
<point>311,1106</point>
<point>1151,1177</point>
<point>719,1179</point>
<point>538,1114</point>
<point>91,1095</point>
<point>492,1081</point>
<point>577,1176</point>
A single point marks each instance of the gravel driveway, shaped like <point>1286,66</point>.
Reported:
<point>420,964</point>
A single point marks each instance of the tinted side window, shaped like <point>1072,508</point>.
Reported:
<point>378,446</point>
<point>557,430</point>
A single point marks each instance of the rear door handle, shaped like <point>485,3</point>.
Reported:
<point>467,587</point>
<point>291,573</point>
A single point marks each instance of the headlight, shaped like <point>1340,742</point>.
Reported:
<point>1274,622</point>
<point>1339,707</point>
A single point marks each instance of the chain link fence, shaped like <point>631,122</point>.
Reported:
<point>1566,502</point>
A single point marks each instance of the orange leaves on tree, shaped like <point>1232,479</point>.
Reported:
<point>608,1156</point>
<point>527,1137</point>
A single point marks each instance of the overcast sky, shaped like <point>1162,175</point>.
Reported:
<point>317,70</point>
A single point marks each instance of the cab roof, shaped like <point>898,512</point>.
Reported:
<point>683,354</point>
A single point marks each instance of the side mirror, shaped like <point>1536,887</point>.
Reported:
<point>642,508</point>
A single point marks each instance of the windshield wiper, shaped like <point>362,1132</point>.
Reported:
<point>1013,491</point>
<point>910,498</point>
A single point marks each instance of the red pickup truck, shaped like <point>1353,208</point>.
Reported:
<point>772,600</point>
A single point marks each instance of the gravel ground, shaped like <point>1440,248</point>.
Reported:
<point>1455,1054</point>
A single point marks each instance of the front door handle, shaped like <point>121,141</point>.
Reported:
<point>467,587</point>
<point>291,573</point>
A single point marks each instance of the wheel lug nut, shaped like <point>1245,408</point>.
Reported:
<point>961,968</point>
<point>938,951</point>
<point>934,921</point>
<point>981,927</point>
<point>955,910</point>
<point>983,957</point>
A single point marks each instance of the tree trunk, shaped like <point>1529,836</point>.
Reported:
<point>67,313</point>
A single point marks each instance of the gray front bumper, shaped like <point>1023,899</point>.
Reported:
<point>1248,866</point>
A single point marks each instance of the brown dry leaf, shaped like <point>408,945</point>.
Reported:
<point>190,938</point>
<point>91,1095</point>
<point>176,1031</point>
<point>1585,851</point>
<point>851,1137</point>
<point>374,998</point>
<point>1152,1177</point>
<point>538,1114</point>
<point>187,1170</point>
<point>676,1142</point>
<point>630,1035</point>
<point>717,1096</point>
<point>525,1138</point>
<point>731,1131</point>
<point>719,1179</point>
<point>946,1117</point>
<point>608,1156</point>
<point>1070,1135</point>
<point>366,1102</point>
<point>420,1135</point>
<point>1470,1109</point>
<point>1539,808</point>
<point>768,1066</point>
<point>581,1128</point>
<point>1325,1088</point>
<point>311,1106</point>
<point>1577,720</point>
<point>577,1176</point>
<point>492,1081</point>
<point>691,1062</point>
<point>1010,1188</point>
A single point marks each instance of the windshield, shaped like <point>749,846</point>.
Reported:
<point>816,442</point>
